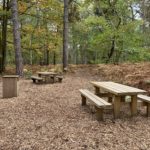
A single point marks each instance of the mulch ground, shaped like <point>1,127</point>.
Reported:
<point>50,117</point>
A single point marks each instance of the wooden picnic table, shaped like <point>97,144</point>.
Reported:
<point>117,92</point>
<point>48,75</point>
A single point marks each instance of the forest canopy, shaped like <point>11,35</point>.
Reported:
<point>99,31</point>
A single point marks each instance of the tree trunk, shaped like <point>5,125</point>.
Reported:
<point>17,40</point>
<point>47,57</point>
<point>65,36</point>
<point>4,36</point>
<point>54,59</point>
<point>110,54</point>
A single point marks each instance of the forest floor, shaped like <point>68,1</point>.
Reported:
<point>50,116</point>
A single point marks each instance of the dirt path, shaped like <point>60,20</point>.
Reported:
<point>50,117</point>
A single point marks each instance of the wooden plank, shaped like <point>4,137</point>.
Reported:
<point>126,88</point>
<point>143,97</point>
<point>97,100</point>
<point>10,76</point>
<point>117,105</point>
<point>117,89</point>
<point>36,77</point>
<point>108,88</point>
<point>133,105</point>
<point>87,95</point>
<point>96,97</point>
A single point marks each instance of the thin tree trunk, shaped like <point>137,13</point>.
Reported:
<point>54,58</point>
<point>4,36</point>
<point>47,57</point>
<point>65,36</point>
<point>110,54</point>
<point>17,40</point>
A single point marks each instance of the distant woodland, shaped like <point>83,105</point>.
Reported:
<point>73,32</point>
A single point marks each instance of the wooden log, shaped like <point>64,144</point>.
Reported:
<point>10,88</point>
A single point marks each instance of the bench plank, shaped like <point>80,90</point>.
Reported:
<point>34,78</point>
<point>99,102</point>
<point>146,99</point>
<point>95,99</point>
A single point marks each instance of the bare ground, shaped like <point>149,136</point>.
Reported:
<point>50,116</point>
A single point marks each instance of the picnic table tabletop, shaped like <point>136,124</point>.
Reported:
<point>118,89</point>
<point>47,73</point>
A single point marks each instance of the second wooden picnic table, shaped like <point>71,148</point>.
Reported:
<point>118,91</point>
<point>48,75</point>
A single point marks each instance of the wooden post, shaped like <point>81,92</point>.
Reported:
<point>10,86</point>
<point>117,100</point>
<point>148,109</point>
<point>83,100</point>
<point>34,80</point>
<point>54,78</point>
<point>97,90</point>
<point>123,99</point>
<point>133,105</point>
<point>110,99</point>
<point>99,114</point>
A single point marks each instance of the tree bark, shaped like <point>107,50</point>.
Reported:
<point>4,36</point>
<point>65,36</point>
<point>17,40</point>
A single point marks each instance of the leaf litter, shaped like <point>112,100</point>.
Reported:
<point>50,116</point>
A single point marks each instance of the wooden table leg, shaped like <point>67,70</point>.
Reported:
<point>148,109</point>
<point>54,79</point>
<point>117,103</point>
<point>123,99</point>
<point>97,90</point>
<point>99,114</point>
<point>110,99</point>
<point>83,100</point>
<point>133,105</point>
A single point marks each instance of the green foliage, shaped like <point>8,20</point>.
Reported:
<point>93,27</point>
<point>27,73</point>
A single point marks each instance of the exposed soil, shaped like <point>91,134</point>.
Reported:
<point>50,116</point>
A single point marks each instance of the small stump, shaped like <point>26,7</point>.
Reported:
<point>10,86</point>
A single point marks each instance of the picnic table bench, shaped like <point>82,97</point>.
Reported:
<point>58,77</point>
<point>36,78</point>
<point>118,91</point>
<point>50,75</point>
<point>98,102</point>
<point>146,100</point>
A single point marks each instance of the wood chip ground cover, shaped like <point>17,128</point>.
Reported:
<point>50,117</point>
